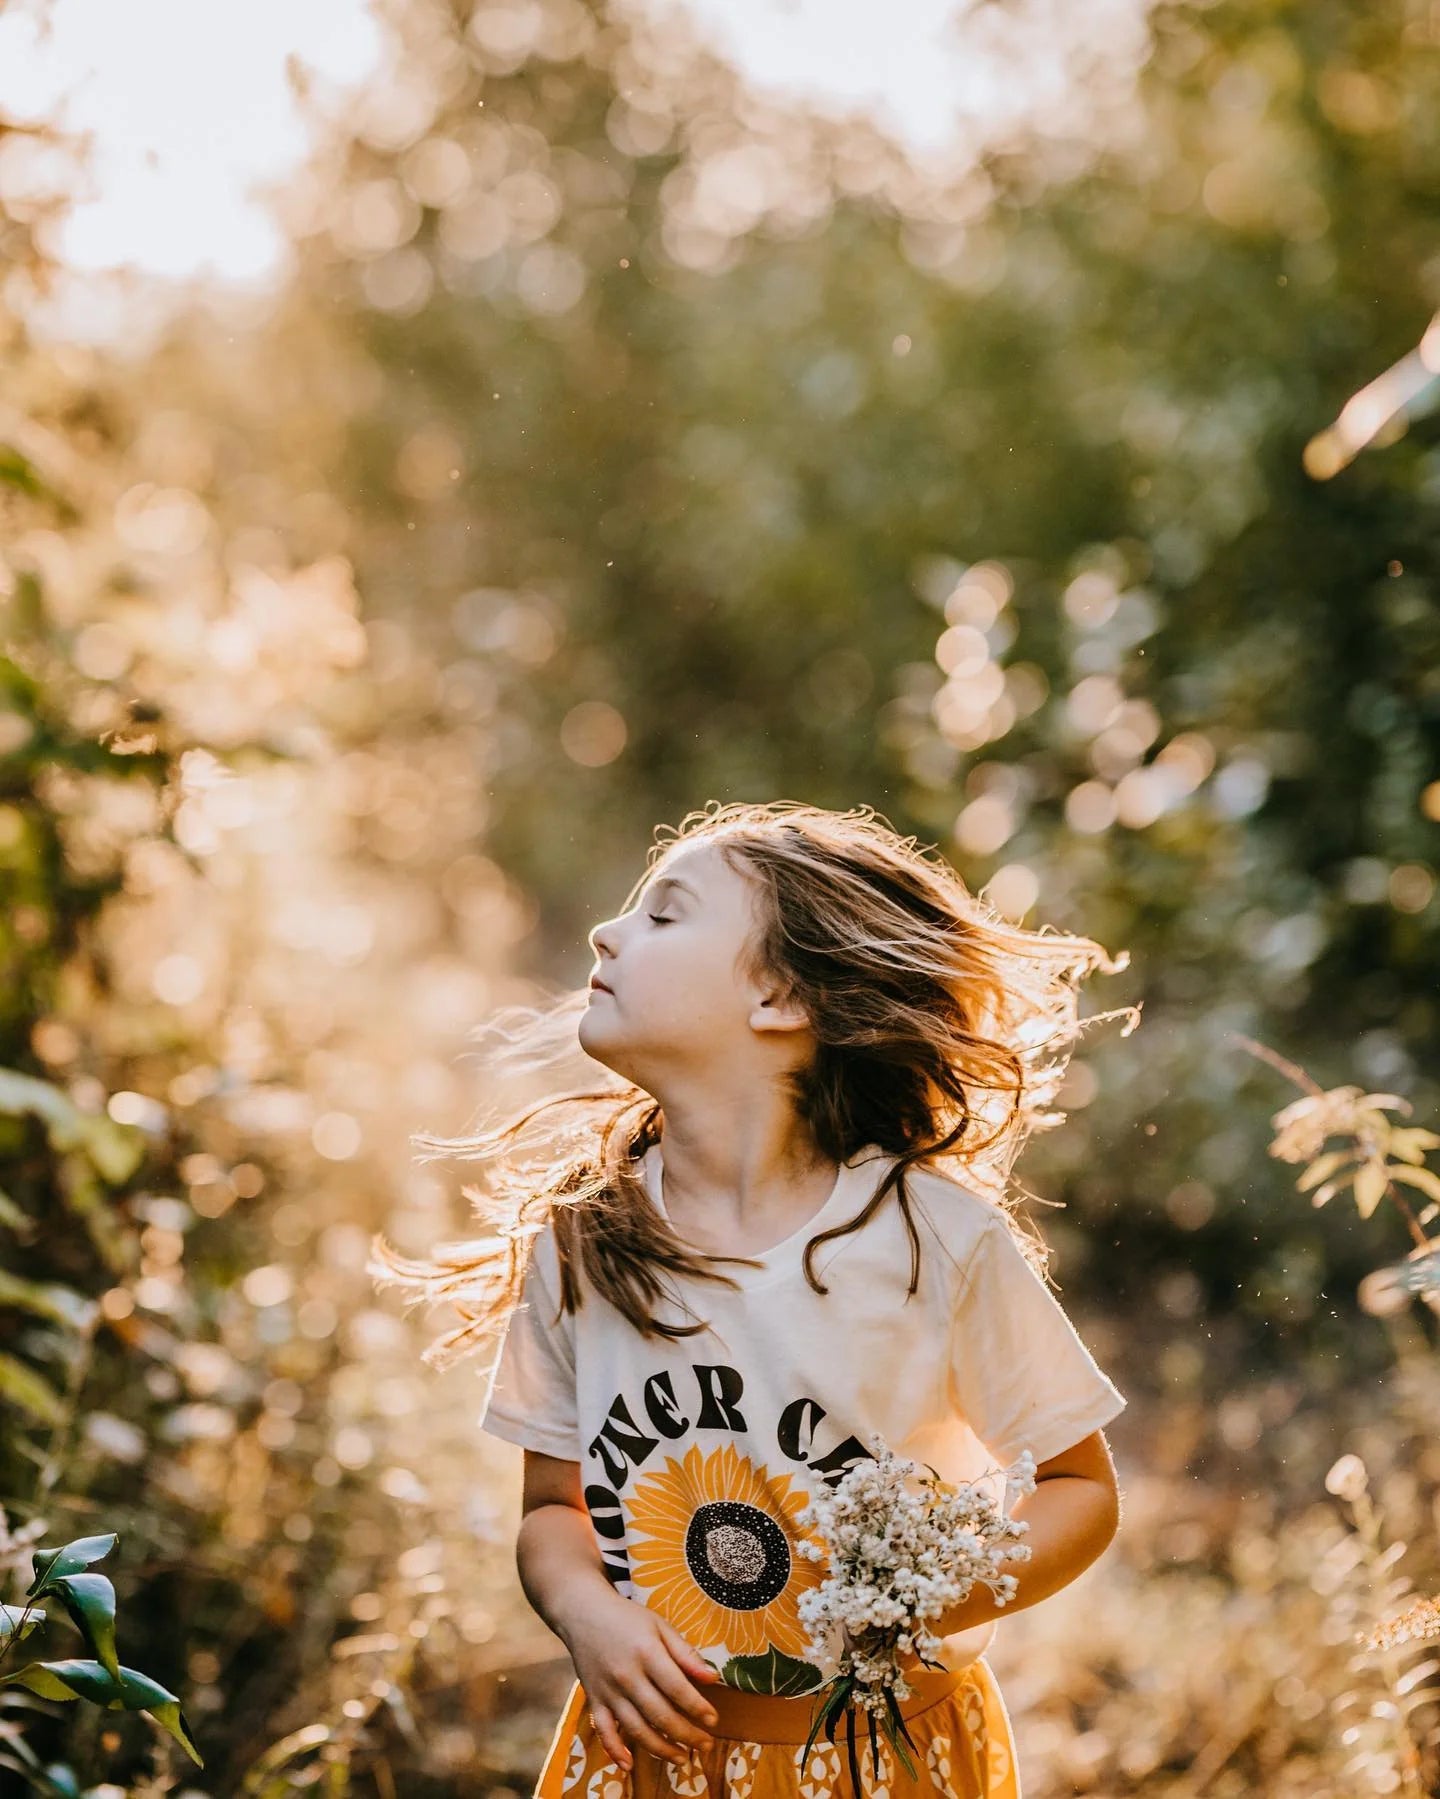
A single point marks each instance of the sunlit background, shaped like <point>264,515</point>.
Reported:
<point>440,443</point>
<point>194,117</point>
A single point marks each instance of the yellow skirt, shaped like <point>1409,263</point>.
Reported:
<point>964,1749</point>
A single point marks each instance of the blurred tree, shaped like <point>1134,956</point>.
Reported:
<point>690,413</point>
<point>177,683</point>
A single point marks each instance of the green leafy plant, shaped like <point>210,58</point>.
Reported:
<point>65,1576</point>
<point>85,1157</point>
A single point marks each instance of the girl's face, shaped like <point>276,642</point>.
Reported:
<point>677,998</point>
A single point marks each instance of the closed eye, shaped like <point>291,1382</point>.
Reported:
<point>656,919</point>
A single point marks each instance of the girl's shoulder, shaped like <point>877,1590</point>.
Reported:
<point>542,1262</point>
<point>957,1216</point>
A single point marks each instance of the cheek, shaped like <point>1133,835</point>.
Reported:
<point>687,979</point>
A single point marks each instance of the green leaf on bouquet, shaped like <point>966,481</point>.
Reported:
<point>896,1729</point>
<point>131,1692</point>
<point>825,1713</point>
<point>854,1759</point>
<point>773,1673</point>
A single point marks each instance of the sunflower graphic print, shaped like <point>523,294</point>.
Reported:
<point>713,1551</point>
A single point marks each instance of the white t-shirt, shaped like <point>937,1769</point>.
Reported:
<point>694,1452</point>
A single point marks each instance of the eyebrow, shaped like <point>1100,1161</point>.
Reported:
<point>673,881</point>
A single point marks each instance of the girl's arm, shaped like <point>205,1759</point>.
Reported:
<point>1073,1514</point>
<point>555,1550</point>
<point>632,1664</point>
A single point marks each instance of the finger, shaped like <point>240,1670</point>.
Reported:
<point>603,1719</point>
<point>689,1659</point>
<point>662,1713</point>
<point>673,1685</point>
<point>636,1724</point>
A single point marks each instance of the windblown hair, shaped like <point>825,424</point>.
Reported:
<point>941,1034</point>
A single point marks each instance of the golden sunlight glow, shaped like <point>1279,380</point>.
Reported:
<point>187,141</point>
<point>190,106</point>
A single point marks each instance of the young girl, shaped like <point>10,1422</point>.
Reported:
<point>810,1023</point>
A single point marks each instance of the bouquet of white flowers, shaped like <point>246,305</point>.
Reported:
<point>898,1558</point>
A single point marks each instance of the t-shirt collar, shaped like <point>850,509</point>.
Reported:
<point>846,1197</point>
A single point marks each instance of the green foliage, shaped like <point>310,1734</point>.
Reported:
<point>979,494</point>
<point>90,1601</point>
<point>47,764</point>
<point>89,1155</point>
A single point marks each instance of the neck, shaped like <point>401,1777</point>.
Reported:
<point>743,1166</point>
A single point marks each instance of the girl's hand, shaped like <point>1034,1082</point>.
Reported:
<point>633,1666</point>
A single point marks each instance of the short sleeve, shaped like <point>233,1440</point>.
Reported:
<point>531,1400</point>
<point>1021,1375</point>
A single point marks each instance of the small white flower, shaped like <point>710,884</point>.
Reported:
<point>899,1557</point>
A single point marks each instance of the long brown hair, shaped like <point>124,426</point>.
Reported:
<point>942,1032</point>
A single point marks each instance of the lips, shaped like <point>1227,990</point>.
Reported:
<point>600,987</point>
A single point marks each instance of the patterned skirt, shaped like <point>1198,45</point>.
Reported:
<point>957,1720</point>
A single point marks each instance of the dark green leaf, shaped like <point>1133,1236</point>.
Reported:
<point>850,1750</point>
<point>131,1692</point>
<point>70,1558</point>
<point>14,1621</point>
<point>90,1601</point>
<point>824,1713</point>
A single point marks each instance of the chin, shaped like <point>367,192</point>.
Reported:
<point>590,1039</point>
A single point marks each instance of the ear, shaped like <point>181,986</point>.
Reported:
<point>773,1013</point>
